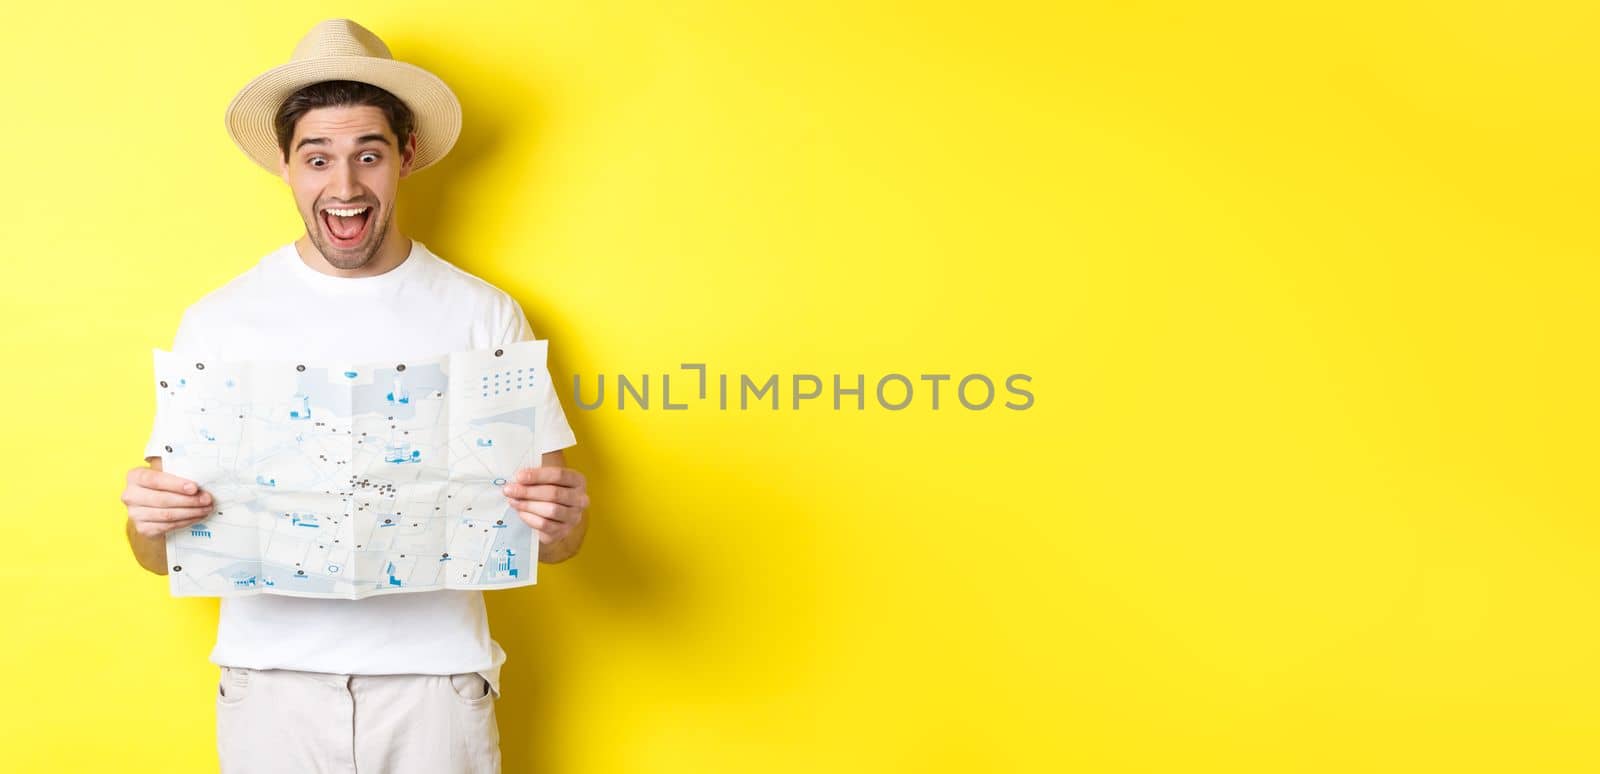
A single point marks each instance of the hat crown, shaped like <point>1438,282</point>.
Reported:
<point>341,50</point>
<point>340,37</point>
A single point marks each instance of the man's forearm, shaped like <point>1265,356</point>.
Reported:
<point>151,552</point>
<point>565,548</point>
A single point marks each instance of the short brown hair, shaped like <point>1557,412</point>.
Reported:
<point>341,94</point>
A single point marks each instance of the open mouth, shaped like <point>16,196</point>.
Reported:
<point>346,227</point>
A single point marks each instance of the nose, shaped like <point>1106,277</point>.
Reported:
<point>343,187</point>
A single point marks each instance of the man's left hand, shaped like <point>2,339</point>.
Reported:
<point>550,499</point>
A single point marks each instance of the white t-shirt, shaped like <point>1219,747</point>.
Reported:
<point>283,309</point>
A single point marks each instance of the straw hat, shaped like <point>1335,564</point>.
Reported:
<point>341,50</point>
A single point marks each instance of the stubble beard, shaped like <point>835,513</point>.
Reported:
<point>331,254</point>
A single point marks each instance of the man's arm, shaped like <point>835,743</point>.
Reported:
<point>158,503</point>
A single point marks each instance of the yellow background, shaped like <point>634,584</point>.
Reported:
<point>1307,297</point>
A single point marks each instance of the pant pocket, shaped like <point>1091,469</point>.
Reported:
<point>476,729</point>
<point>471,688</point>
<point>233,685</point>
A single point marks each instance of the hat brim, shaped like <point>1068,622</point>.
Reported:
<point>435,107</point>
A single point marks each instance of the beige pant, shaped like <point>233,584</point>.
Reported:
<point>280,720</point>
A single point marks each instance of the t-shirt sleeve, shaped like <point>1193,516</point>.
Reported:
<point>185,340</point>
<point>551,431</point>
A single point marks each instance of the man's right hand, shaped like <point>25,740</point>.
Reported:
<point>159,502</point>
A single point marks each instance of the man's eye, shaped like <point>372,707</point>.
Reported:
<point>317,161</point>
<point>372,156</point>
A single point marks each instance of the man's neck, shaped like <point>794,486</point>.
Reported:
<point>392,253</point>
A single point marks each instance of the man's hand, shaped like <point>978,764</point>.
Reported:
<point>160,502</point>
<point>552,500</point>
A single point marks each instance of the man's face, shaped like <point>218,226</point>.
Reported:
<point>347,160</point>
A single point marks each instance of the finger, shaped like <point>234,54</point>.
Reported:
<point>167,515</point>
<point>548,492</point>
<point>535,507</point>
<point>546,529</point>
<point>546,510</point>
<point>157,498</point>
<point>177,525</point>
<point>550,475</point>
<point>150,478</point>
<point>159,528</point>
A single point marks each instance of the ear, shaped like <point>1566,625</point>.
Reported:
<point>408,154</point>
<point>283,170</point>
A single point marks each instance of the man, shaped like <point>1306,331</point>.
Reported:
<point>393,683</point>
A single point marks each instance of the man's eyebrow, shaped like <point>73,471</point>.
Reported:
<point>365,138</point>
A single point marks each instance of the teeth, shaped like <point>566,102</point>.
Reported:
<point>346,213</point>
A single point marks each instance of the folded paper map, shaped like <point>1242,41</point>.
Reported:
<point>351,480</point>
